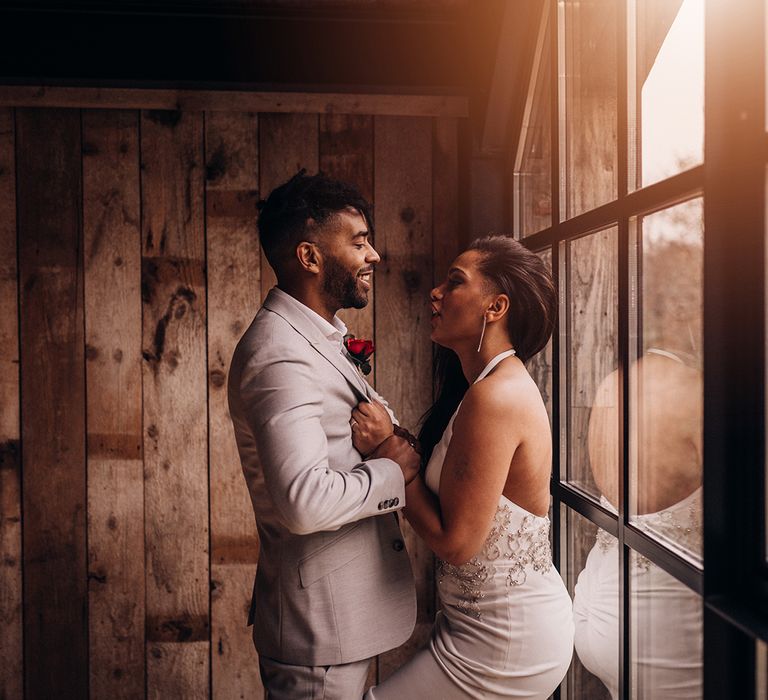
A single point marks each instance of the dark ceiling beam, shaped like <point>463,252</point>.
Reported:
<point>437,11</point>
<point>89,48</point>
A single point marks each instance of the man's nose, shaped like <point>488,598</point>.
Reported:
<point>372,257</point>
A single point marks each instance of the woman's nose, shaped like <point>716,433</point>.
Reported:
<point>434,295</point>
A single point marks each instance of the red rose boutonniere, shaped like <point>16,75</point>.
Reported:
<point>360,350</point>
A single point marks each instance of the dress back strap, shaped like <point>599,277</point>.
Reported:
<point>492,364</point>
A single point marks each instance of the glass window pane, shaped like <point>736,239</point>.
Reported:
<point>592,576</point>
<point>540,365</point>
<point>666,381</point>
<point>669,88</point>
<point>533,172</point>
<point>666,621</point>
<point>588,114</point>
<point>761,670</point>
<point>589,359</point>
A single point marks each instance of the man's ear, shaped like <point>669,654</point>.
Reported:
<point>498,308</point>
<point>309,257</point>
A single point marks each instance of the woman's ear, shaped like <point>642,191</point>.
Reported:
<point>309,257</point>
<point>498,308</point>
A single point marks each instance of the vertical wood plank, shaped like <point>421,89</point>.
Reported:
<point>346,153</point>
<point>52,403</point>
<point>112,261</point>
<point>11,680</point>
<point>403,194</point>
<point>593,355</point>
<point>287,143</point>
<point>234,296</point>
<point>175,405</point>
<point>445,195</point>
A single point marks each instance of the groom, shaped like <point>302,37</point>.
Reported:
<point>334,585</point>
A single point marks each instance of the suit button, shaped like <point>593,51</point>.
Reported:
<point>382,505</point>
<point>395,501</point>
<point>398,545</point>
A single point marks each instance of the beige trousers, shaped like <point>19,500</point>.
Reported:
<point>286,682</point>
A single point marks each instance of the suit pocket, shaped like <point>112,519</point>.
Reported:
<point>331,556</point>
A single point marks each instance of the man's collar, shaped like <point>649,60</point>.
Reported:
<point>334,331</point>
<point>303,320</point>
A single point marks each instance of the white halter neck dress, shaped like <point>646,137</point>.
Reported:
<point>506,625</point>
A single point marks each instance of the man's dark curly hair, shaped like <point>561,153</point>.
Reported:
<point>300,206</point>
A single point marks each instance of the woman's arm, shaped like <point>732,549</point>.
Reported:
<point>486,433</point>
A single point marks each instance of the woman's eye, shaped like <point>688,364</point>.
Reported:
<point>452,283</point>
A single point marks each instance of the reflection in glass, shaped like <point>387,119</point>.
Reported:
<point>540,366</point>
<point>588,115</point>
<point>592,577</point>
<point>589,355</point>
<point>761,670</point>
<point>666,382</point>
<point>670,88</point>
<point>666,622</point>
<point>533,170</point>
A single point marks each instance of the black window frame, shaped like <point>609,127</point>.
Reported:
<point>732,181</point>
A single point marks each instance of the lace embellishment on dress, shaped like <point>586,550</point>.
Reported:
<point>528,546</point>
<point>675,527</point>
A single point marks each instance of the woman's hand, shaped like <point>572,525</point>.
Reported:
<point>371,425</point>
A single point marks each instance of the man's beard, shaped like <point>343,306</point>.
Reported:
<point>341,286</point>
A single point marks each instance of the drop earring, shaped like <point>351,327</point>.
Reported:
<point>482,333</point>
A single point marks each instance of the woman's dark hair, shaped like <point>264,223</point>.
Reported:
<point>304,202</point>
<point>510,269</point>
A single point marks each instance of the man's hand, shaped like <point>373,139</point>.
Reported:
<point>371,425</point>
<point>399,450</point>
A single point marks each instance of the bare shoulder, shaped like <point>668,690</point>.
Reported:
<point>508,394</point>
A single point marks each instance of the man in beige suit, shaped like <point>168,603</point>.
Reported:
<point>334,585</point>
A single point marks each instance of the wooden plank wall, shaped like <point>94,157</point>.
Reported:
<point>53,413</point>
<point>111,225</point>
<point>11,641</point>
<point>129,268</point>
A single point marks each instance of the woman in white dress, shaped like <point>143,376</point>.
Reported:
<point>506,628</point>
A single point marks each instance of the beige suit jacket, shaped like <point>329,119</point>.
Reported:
<point>334,582</point>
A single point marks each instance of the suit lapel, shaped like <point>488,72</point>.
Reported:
<point>303,325</point>
<point>344,366</point>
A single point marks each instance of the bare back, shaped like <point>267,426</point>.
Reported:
<point>527,482</point>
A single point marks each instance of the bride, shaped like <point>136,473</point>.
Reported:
<point>481,503</point>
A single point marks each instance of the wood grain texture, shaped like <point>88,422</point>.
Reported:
<point>112,254</point>
<point>235,101</point>
<point>346,153</point>
<point>175,413</point>
<point>403,193</point>
<point>234,296</point>
<point>52,403</point>
<point>287,143</point>
<point>590,88</point>
<point>145,299</point>
<point>593,330</point>
<point>11,671</point>
<point>445,196</point>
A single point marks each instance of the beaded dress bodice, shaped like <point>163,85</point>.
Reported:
<point>516,547</point>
